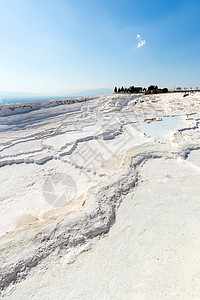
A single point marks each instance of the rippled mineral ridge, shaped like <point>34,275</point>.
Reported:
<point>100,198</point>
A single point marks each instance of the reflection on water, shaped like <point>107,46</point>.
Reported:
<point>162,128</point>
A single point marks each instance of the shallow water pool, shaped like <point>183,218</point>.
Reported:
<point>162,128</point>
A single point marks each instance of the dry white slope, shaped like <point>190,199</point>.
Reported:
<point>101,145</point>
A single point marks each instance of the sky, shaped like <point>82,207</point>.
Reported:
<point>50,46</point>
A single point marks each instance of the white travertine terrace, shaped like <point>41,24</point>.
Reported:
<point>134,163</point>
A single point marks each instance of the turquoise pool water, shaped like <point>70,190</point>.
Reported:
<point>162,128</point>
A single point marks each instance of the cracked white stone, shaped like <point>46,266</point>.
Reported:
<point>100,143</point>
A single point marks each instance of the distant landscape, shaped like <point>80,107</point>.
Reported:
<point>11,98</point>
<point>152,89</point>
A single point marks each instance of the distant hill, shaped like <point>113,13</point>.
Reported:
<point>11,98</point>
<point>80,93</point>
<point>5,94</point>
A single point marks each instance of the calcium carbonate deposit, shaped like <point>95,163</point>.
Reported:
<point>100,198</point>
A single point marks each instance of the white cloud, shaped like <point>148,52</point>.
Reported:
<point>141,42</point>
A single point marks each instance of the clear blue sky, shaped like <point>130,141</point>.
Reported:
<point>63,45</point>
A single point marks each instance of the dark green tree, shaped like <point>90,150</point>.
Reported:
<point>132,89</point>
<point>152,87</point>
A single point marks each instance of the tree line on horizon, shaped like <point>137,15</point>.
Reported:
<point>152,89</point>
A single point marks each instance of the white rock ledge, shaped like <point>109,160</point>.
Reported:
<point>99,142</point>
